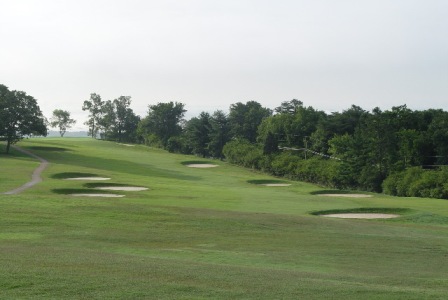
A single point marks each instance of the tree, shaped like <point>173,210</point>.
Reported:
<point>61,119</point>
<point>197,131</point>
<point>94,105</point>
<point>107,120</point>
<point>19,116</point>
<point>219,133</point>
<point>289,107</point>
<point>162,122</point>
<point>245,118</point>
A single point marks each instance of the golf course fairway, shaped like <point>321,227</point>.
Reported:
<point>203,233</point>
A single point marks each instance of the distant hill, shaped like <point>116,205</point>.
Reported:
<point>68,134</point>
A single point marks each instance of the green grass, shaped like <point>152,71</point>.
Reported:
<point>204,233</point>
<point>15,168</point>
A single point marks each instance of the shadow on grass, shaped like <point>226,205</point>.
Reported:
<point>196,162</point>
<point>332,192</point>
<point>77,191</point>
<point>372,210</point>
<point>92,185</point>
<point>267,181</point>
<point>55,149</point>
<point>117,165</point>
<point>67,175</point>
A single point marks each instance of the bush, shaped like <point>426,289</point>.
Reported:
<point>416,182</point>
<point>242,152</point>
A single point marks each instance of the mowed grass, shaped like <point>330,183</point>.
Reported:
<point>204,233</point>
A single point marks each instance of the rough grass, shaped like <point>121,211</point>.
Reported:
<point>210,234</point>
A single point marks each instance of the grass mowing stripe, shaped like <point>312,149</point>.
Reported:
<point>208,233</point>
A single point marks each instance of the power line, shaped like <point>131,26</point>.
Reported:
<point>311,151</point>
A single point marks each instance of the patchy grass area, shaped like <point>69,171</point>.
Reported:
<point>201,234</point>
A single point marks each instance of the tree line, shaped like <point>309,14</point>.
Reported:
<point>399,151</point>
<point>353,149</point>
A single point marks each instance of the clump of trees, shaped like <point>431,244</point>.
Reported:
<point>112,119</point>
<point>354,149</point>
<point>20,116</point>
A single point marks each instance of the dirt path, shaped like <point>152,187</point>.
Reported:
<point>35,178</point>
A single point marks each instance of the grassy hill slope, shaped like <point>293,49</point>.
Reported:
<point>203,233</point>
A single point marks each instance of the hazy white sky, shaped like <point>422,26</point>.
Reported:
<point>209,54</point>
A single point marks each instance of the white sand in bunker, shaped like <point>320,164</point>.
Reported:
<point>201,166</point>
<point>122,188</point>
<point>87,178</point>
<point>98,195</point>
<point>347,195</point>
<point>361,216</point>
<point>276,184</point>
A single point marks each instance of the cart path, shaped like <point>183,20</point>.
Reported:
<point>35,178</point>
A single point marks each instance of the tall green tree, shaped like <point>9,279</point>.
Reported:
<point>244,119</point>
<point>162,122</point>
<point>107,120</point>
<point>126,121</point>
<point>19,116</point>
<point>219,133</point>
<point>61,120</point>
<point>197,131</point>
<point>118,121</point>
<point>95,107</point>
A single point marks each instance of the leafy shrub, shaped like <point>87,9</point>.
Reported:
<point>416,182</point>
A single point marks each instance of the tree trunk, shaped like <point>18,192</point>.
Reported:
<point>8,145</point>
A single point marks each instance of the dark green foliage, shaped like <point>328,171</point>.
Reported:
<point>270,144</point>
<point>19,116</point>
<point>219,133</point>
<point>197,133</point>
<point>242,152</point>
<point>245,118</point>
<point>177,144</point>
<point>417,182</point>
<point>162,123</point>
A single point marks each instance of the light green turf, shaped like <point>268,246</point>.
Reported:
<point>205,233</point>
<point>15,168</point>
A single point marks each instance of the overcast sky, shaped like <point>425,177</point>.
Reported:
<point>209,54</point>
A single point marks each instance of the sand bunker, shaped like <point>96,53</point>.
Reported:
<point>98,195</point>
<point>361,216</point>
<point>122,188</point>
<point>201,166</point>
<point>346,195</point>
<point>276,184</point>
<point>87,178</point>
<point>127,145</point>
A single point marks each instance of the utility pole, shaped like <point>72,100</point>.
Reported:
<point>306,145</point>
